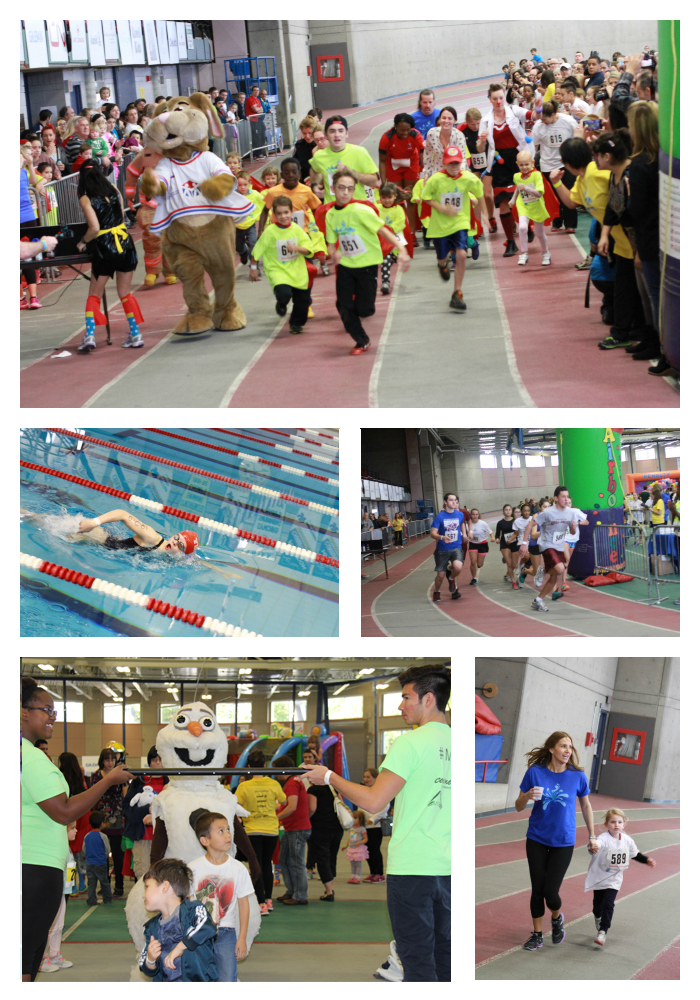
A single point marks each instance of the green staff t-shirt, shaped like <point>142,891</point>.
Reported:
<point>326,162</point>
<point>44,842</point>
<point>354,228</point>
<point>420,842</point>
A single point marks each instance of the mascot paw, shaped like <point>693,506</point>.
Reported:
<point>191,324</point>
<point>150,185</point>
<point>230,319</point>
<point>216,188</point>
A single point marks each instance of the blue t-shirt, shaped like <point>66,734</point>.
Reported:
<point>553,818</point>
<point>537,58</point>
<point>425,122</point>
<point>26,209</point>
<point>450,525</point>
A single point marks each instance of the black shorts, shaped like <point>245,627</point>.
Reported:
<point>442,557</point>
<point>513,546</point>
<point>479,547</point>
<point>534,550</point>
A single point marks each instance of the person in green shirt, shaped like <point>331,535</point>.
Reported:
<point>450,225</point>
<point>340,153</point>
<point>283,245</point>
<point>46,812</point>
<point>416,772</point>
<point>352,235</point>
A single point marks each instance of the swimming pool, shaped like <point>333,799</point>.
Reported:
<point>281,488</point>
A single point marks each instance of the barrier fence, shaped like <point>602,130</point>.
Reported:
<point>647,552</point>
<point>65,190</point>
<point>257,134</point>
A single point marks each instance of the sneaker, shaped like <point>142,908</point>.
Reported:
<point>370,878</point>
<point>539,577</point>
<point>150,280</point>
<point>61,962</point>
<point>534,941</point>
<point>34,303</point>
<point>662,367</point>
<point>386,288</point>
<point>436,597</point>
<point>646,353</point>
<point>325,269</point>
<point>584,265</point>
<point>539,605</point>
<point>511,249</point>
<point>353,881</point>
<point>244,257</point>
<point>530,234</point>
<point>569,230</point>
<point>360,349</point>
<point>444,271</point>
<point>457,302</point>
<point>474,582</point>
<point>556,594</point>
<point>611,342</point>
<point>523,258</point>
<point>264,910</point>
<point>23,304</point>
<point>475,251</point>
<point>516,586</point>
<point>296,329</point>
<point>565,587</point>
<point>521,577</point>
<point>493,226</point>
<point>456,595</point>
<point>133,341</point>
<point>546,259</point>
<point>558,932</point>
<point>268,904</point>
<point>451,584</point>
<point>88,343</point>
<point>280,309</point>
<point>381,878</point>
<point>506,578</point>
<point>47,965</point>
<point>600,938</point>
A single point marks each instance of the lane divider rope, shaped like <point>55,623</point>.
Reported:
<point>251,458</point>
<point>201,472</point>
<point>135,597</point>
<point>269,444</point>
<point>206,522</point>
<point>297,437</point>
<point>310,430</point>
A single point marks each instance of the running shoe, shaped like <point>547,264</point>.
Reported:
<point>280,309</point>
<point>600,938</point>
<point>475,251</point>
<point>546,259</point>
<point>539,577</point>
<point>569,230</point>
<point>264,910</point>
<point>523,258</point>
<point>516,586</point>
<point>456,595</point>
<point>444,272</point>
<point>511,249</point>
<point>565,587</point>
<point>386,288</point>
<point>136,341</point>
<point>493,226</point>
<point>474,582</point>
<point>584,265</point>
<point>381,878</point>
<point>457,302</point>
<point>370,878</point>
<point>61,962</point>
<point>270,907</point>
<point>296,329</point>
<point>23,304</point>
<point>611,342</point>
<point>521,577</point>
<point>506,578</point>
<point>47,965</point>
<point>88,344</point>
<point>361,348</point>
<point>558,932</point>
<point>556,594</point>
<point>325,269</point>
<point>530,234</point>
<point>534,941</point>
<point>34,303</point>
<point>539,605</point>
<point>662,367</point>
<point>436,596</point>
<point>451,584</point>
<point>244,257</point>
<point>353,881</point>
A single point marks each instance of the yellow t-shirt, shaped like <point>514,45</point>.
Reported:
<point>591,191</point>
<point>257,200</point>
<point>549,93</point>
<point>657,512</point>
<point>258,796</point>
<point>397,524</point>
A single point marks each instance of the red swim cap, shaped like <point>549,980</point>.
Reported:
<point>191,541</point>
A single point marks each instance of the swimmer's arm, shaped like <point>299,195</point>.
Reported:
<point>141,531</point>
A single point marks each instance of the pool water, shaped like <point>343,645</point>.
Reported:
<point>254,587</point>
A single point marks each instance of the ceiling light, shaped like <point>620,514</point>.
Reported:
<point>206,696</point>
<point>123,670</point>
<point>46,667</point>
<point>341,688</point>
<point>380,687</point>
<point>303,694</point>
<point>366,670</point>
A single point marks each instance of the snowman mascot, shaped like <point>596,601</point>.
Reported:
<point>193,738</point>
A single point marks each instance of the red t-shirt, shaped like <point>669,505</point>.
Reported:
<point>299,820</point>
<point>253,106</point>
<point>157,782</point>
<point>403,149</point>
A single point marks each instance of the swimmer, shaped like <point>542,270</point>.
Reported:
<point>145,538</point>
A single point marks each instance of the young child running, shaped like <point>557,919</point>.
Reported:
<point>247,231</point>
<point>179,944</point>
<point>393,216</point>
<point>357,847</point>
<point>607,868</point>
<point>221,882</point>
<point>283,246</point>
<point>451,219</point>
<point>529,202</point>
<point>271,176</point>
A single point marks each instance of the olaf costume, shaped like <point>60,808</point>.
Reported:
<point>193,738</point>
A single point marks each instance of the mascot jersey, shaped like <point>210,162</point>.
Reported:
<point>183,197</point>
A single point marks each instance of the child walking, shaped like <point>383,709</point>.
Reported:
<point>607,867</point>
<point>357,847</point>
<point>179,944</point>
<point>529,202</point>
<point>220,882</point>
<point>96,847</point>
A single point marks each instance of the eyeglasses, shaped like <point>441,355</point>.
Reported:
<point>343,187</point>
<point>43,708</point>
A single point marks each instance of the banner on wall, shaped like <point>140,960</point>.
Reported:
<point>109,31</point>
<point>78,41</point>
<point>162,32</point>
<point>35,36</point>
<point>56,34</point>
<point>190,41</point>
<point>181,41</point>
<point>96,43</point>
<point>137,51</point>
<point>173,52</point>
<point>124,35</point>
<point>152,53</point>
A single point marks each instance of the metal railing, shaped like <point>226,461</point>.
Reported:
<point>651,554</point>
<point>486,764</point>
<point>66,192</point>
<point>412,529</point>
<point>665,556</point>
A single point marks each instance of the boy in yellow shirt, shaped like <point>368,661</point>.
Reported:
<point>283,245</point>
<point>247,232</point>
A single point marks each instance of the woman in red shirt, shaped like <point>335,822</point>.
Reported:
<point>401,160</point>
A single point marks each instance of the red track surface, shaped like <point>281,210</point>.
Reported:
<point>594,599</point>
<point>667,965</point>
<point>370,591</point>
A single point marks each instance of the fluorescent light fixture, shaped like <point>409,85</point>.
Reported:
<point>123,670</point>
<point>365,670</point>
<point>381,687</point>
<point>341,688</point>
<point>46,667</point>
<point>303,694</point>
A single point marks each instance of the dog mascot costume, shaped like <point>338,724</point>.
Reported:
<point>197,208</point>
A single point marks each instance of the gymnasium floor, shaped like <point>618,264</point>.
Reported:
<point>402,604</point>
<point>644,939</point>
<point>341,942</point>
<point>516,317</point>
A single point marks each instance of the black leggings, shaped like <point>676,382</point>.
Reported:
<point>374,847</point>
<point>548,867</point>
<point>264,848</point>
<point>604,906</point>
<point>29,273</point>
<point>42,888</point>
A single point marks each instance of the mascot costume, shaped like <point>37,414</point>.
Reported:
<point>192,739</point>
<point>197,209</point>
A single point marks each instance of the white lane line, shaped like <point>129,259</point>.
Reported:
<point>127,371</point>
<point>454,621</point>
<point>251,364</point>
<point>508,337</point>
<point>78,922</point>
<point>383,341</point>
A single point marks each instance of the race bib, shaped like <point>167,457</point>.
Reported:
<point>453,198</point>
<point>401,238</point>
<point>352,246</point>
<point>369,193</point>
<point>478,161</point>
<point>559,536</point>
<point>451,536</point>
<point>618,859</point>
<point>283,252</point>
<point>554,138</point>
<point>529,197</point>
<point>400,164</point>
<point>299,217</point>
<point>510,537</point>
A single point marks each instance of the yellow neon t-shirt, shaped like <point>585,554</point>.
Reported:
<point>592,191</point>
<point>326,162</point>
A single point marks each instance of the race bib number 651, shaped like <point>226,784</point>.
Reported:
<point>351,246</point>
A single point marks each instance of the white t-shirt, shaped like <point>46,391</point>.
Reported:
<point>599,875</point>
<point>572,539</point>
<point>554,526</point>
<point>183,197</point>
<point>550,138</point>
<point>520,524</point>
<point>219,887</point>
<point>481,531</point>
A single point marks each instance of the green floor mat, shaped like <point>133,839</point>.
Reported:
<point>636,590</point>
<point>106,923</point>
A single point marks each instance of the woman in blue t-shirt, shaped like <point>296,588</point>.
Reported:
<point>553,781</point>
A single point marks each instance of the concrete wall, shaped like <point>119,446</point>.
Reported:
<point>462,472</point>
<point>230,42</point>
<point>508,674</point>
<point>402,57</point>
<point>288,42</point>
<point>650,686</point>
<point>300,84</point>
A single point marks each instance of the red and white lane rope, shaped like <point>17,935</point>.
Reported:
<point>310,430</point>
<point>206,522</point>
<point>297,437</point>
<point>250,458</point>
<point>173,611</point>
<point>269,444</point>
<point>201,472</point>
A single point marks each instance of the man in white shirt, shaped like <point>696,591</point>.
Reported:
<point>555,523</point>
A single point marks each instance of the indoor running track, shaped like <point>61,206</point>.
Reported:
<point>402,604</point>
<point>516,317</point>
<point>644,938</point>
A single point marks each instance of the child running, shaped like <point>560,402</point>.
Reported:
<point>393,216</point>
<point>283,246</point>
<point>607,867</point>
<point>179,944</point>
<point>246,231</point>
<point>357,847</point>
<point>271,176</point>
<point>477,163</point>
<point>452,218</point>
<point>221,883</point>
<point>529,202</point>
